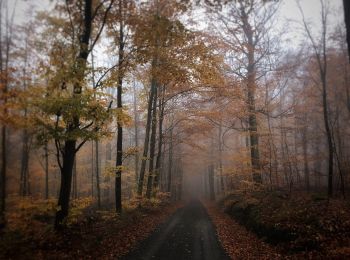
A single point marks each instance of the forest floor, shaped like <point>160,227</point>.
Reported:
<point>278,225</point>
<point>90,233</point>
<point>238,242</point>
<point>256,224</point>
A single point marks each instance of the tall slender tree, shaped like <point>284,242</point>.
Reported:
<point>320,52</point>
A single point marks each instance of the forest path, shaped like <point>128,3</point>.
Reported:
<point>187,234</point>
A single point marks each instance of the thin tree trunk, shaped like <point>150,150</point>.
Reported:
<point>119,159</point>
<point>170,161</point>
<point>24,164</point>
<point>97,169</point>
<point>24,184</point>
<point>3,176</point>
<point>136,129</point>
<point>4,70</point>
<point>46,171</point>
<point>147,137</point>
<point>152,144</point>
<point>180,181</point>
<point>220,160</point>
<point>321,56</point>
<point>306,160</point>
<point>98,190</point>
<point>160,139</point>
<point>92,170</point>
<point>211,182</point>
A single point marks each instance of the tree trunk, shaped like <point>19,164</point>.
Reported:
<point>66,182</point>
<point>119,159</point>
<point>180,181</point>
<point>211,182</point>
<point>170,161</point>
<point>136,129</point>
<point>222,185</point>
<point>46,171</point>
<point>97,164</point>
<point>306,160</point>
<point>251,89</point>
<point>92,170</point>
<point>3,176</point>
<point>24,184</point>
<point>160,139</point>
<point>147,136</point>
<point>98,190</point>
<point>328,133</point>
<point>152,144</point>
<point>69,146</point>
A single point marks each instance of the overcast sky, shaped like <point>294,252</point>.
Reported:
<point>289,9</point>
<point>288,12</point>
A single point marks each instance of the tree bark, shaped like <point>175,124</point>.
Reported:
<point>119,159</point>
<point>170,160</point>
<point>152,144</point>
<point>160,138</point>
<point>147,137</point>
<point>321,57</point>
<point>222,185</point>
<point>24,189</point>
<point>66,182</point>
<point>3,176</point>
<point>69,145</point>
<point>251,89</point>
<point>306,160</point>
<point>211,182</point>
<point>46,170</point>
<point>136,129</point>
<point>92,170</point>
<point>98,190</point>
<point>75,180</point>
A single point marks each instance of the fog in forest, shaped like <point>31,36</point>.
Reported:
<point>113,110</point>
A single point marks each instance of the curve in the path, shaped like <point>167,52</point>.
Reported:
<point>187,234</point>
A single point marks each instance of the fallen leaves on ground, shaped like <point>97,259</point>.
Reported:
<point>238,242</point>
<point>92,235</point>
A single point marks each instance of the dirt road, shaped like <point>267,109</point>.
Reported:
<point>187,234</point>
